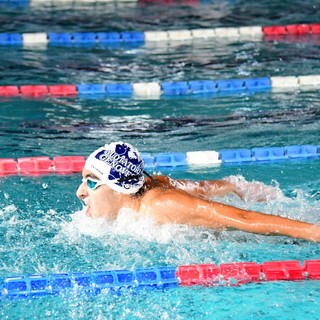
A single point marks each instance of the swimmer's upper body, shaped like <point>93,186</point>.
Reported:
<point>113,179</point>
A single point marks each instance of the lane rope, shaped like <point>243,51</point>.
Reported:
<point>107,38</point>
<point>74,164</point>
<point>167,89</point>
<point>119,281</point>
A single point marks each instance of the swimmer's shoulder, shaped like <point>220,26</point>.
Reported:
<point>170,205</point>
<point>150,201</point>
<point>152,194</point>
<point>159,203</point>
<point>162,194</point>
<point>158,192</point>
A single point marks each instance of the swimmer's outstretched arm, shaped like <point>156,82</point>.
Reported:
<point>203,189</point>
<point>218,188</point>
<point>175,206</point>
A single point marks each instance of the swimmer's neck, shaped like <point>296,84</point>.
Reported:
<point>131,203</point>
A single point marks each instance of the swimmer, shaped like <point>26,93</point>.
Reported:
<point>114,179</point>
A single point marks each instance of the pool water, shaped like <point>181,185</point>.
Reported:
<point>42,226</point>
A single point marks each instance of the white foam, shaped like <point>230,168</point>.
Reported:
<point>83,225</point>
<point>256,191</point>
<point>144,227</point>
<point>127,224</point>
<point>8,209</point>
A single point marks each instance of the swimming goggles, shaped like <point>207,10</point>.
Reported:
<point>95,183</point>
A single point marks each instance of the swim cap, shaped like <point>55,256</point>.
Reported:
<point>119,165</point>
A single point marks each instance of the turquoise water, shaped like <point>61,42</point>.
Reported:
<point>42,227</point>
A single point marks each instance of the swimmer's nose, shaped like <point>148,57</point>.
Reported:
<point>82,191</point>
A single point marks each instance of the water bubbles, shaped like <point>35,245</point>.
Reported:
<point>51,212</point>
<point>254,191</point>
<point>10,209</point>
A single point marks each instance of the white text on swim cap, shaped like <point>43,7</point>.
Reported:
<point>120,163</point>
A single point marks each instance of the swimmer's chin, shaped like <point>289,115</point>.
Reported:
<point>87,211</point>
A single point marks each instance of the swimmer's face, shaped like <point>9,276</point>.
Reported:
<point>100,202</point>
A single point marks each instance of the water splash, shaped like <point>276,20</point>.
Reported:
<point>127,224</point>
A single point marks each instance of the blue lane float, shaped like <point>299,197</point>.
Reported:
<point>270,154</point>
<point>109,281</point>
<point>168,159</point>
<point>11,39</point>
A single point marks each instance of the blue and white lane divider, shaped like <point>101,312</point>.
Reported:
<point>238,156</point>
<point>158,89</point>
<point>127,37</point>
<point>105,38</point>
<point>229,86</point>
<point>73,164</point>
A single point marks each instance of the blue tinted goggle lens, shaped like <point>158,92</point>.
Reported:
<point>91,183</point>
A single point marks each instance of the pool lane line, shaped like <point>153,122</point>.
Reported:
<point>78,2</point>
<point>104,38</point>
<point>155,90</point>
<point>117,282</point>
<point>74,164</point>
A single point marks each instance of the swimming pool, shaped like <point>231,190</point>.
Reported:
<point>42,227</point>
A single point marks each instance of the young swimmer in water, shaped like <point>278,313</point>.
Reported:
<point>113,179</point>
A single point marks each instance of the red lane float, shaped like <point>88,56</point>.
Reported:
<point>35,91</point>
<point>63,90</point>
<point>287,270</point>
<point>245,272</point>
<point>60,90</point>
<point>42,165</point>
<point>8,166</point>
<point>35,165</point>
<point>9,91</point>
<point>293,29</point>
<point>312,268</point>
<point>68,164</point>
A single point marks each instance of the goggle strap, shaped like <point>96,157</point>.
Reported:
<point>129,178</point>
<point>138,176</point>
<point>150,176</point>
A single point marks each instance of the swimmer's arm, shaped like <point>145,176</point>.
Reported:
<point>261,223</point>
<point>207,189</point>
<point>181,208</point>
<point>202,189</point>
